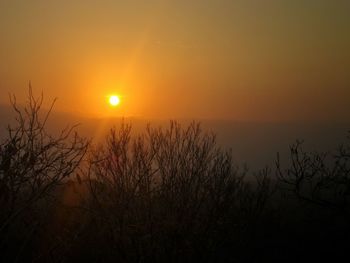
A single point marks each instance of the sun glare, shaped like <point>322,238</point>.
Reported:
<point>114,100</point>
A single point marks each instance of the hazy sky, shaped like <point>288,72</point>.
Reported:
<point>226,59</point>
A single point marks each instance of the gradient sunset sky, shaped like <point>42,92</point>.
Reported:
<point>219,59</point>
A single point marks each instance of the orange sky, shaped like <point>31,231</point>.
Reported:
<point>222,59</point>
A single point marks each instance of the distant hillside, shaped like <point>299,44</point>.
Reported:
<point>251,142</point>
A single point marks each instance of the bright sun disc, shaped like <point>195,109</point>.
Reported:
<point>114,100</point>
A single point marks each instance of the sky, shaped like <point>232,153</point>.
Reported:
<point>212,59</point>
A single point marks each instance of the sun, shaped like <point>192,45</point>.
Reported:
<point>114,100</point>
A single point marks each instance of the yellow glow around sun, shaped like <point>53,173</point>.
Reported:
<point>114,100</point>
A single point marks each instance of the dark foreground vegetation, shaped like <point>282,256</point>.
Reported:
<point>167,195</point>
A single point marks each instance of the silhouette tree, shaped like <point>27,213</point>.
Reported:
<point>32,164</point>
<point>319,179</point>
<point>170,193</point>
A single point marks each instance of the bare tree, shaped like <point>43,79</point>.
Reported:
<point>33,162</point>
<point>170,193</point>
<point>320,179</point>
